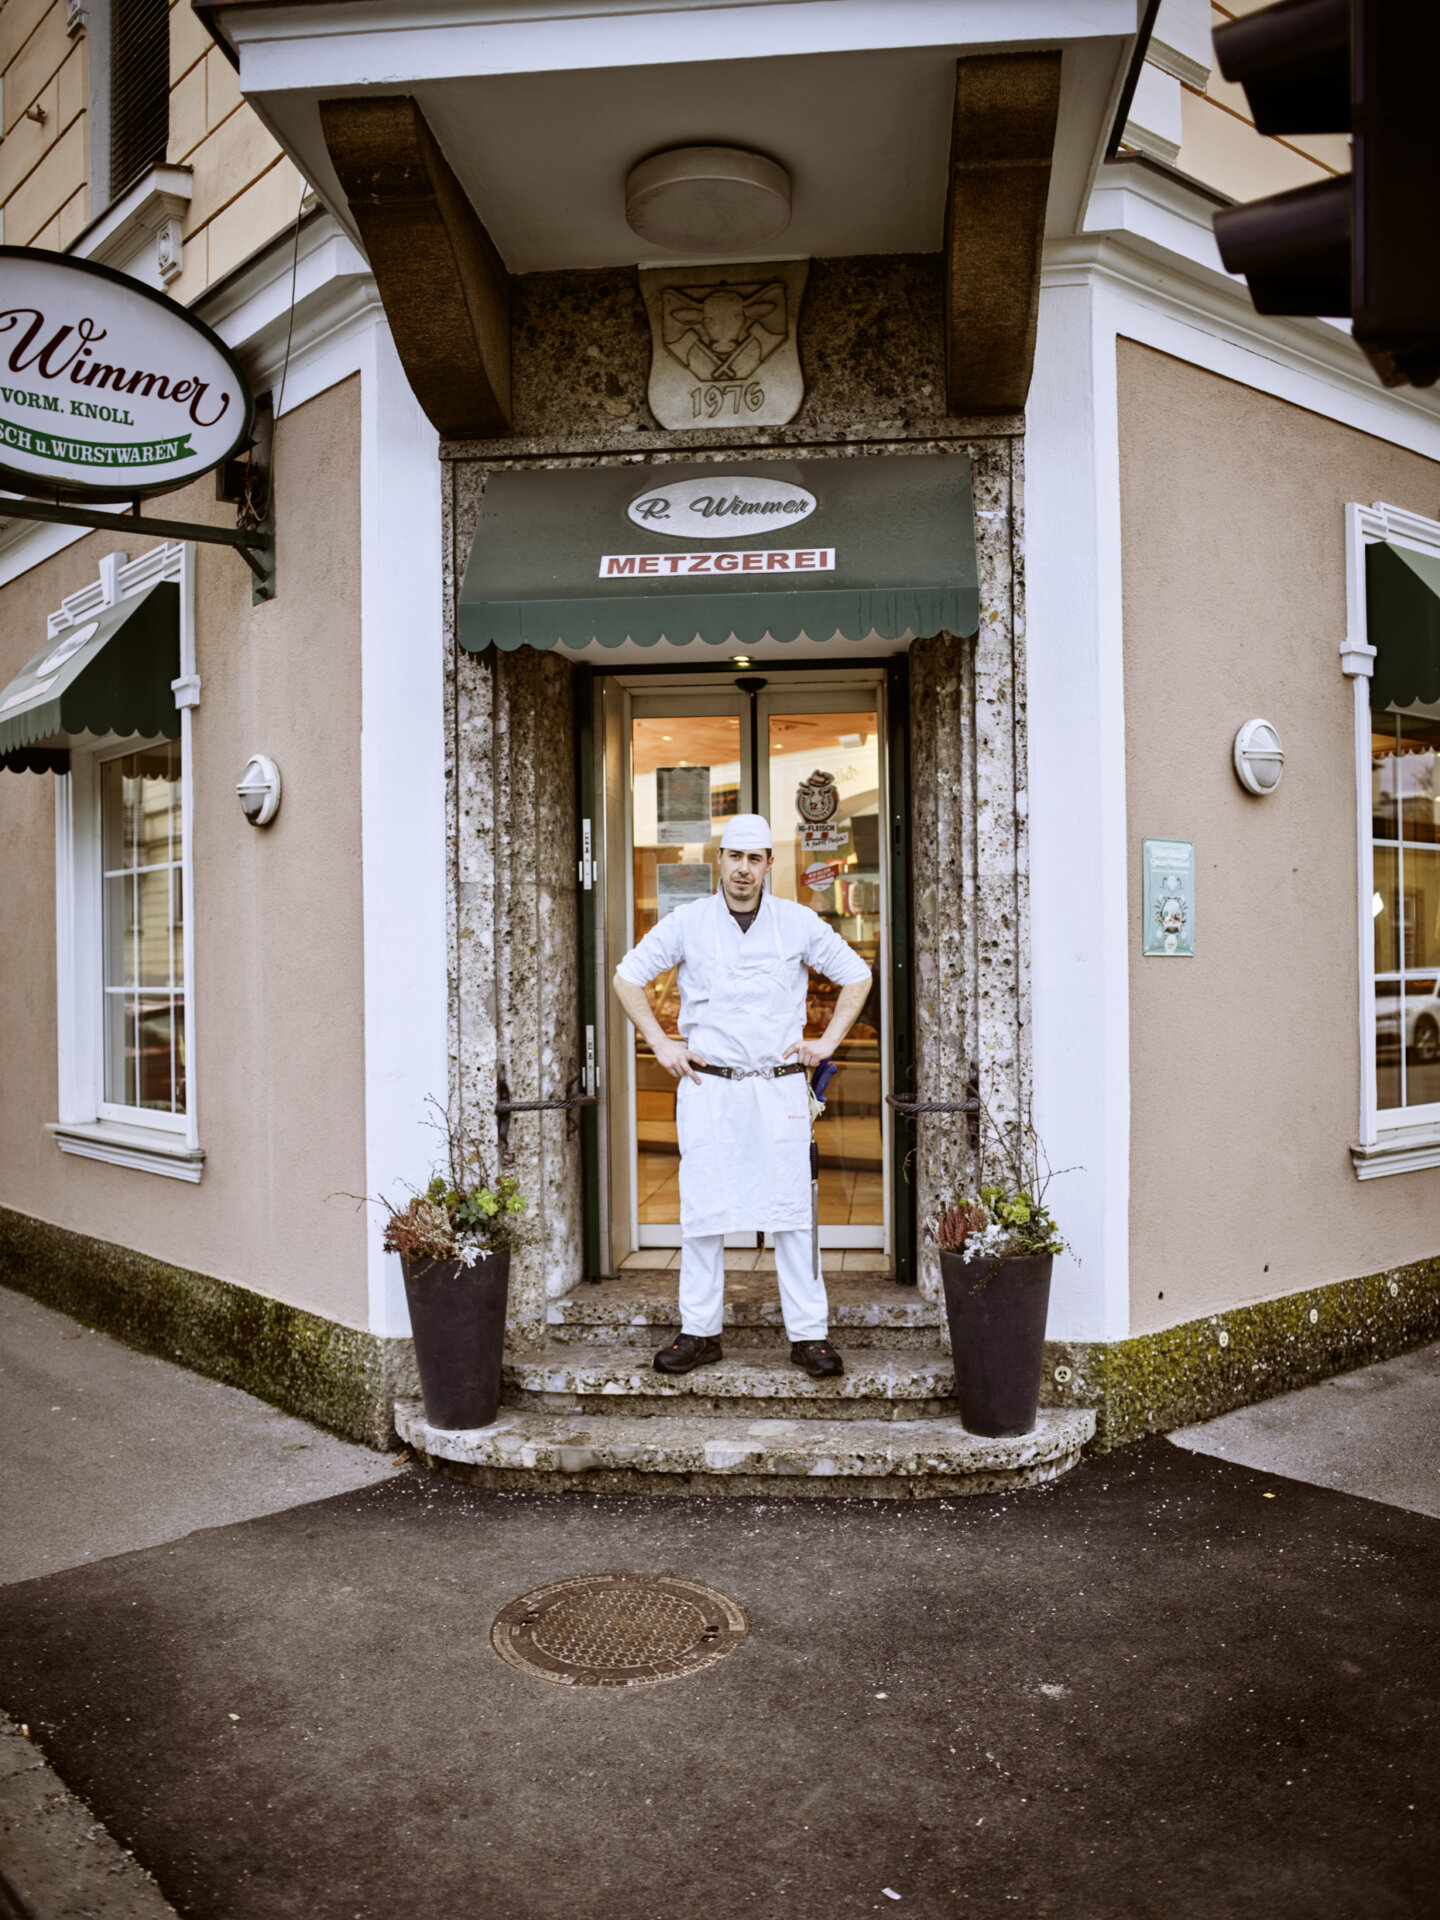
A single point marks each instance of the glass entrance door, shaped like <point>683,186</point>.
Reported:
<point>821,787</point>
<point>808,752</point>
<point>689,772</point>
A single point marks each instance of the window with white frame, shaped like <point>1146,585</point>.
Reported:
<point>124,934</point>
<point>1405,908</point>
<point>1392,652</point>
<point>142,837</point>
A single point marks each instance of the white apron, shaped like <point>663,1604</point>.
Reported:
<point>745,1144</point>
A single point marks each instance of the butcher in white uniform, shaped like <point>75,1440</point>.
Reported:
<point>742,1110</point>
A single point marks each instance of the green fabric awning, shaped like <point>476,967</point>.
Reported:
<point>1402,608</point>
<point>577,557</point>
<point>108,674</point>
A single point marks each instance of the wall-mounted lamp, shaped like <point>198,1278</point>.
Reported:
<point>259,790</point>
<point>1259,757</point>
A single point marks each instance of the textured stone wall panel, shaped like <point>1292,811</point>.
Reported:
<point>968,856</point>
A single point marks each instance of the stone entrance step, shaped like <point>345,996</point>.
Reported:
<point>758,1381</point>
<point>529,1450</point>
<point>638,1308</point>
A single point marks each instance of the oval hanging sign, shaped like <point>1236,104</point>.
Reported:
<point>108,390</point>
<point>727,507</point>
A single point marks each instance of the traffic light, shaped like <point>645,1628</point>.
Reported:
<point>1364,244</point>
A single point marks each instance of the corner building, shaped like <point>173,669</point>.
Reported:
<point>958,525</point>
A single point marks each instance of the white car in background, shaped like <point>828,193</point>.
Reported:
<point>1421,1021</point>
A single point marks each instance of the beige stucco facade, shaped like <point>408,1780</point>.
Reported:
<point>243,188</point>
<point>1245,1061</point>
<point>277,1062</point>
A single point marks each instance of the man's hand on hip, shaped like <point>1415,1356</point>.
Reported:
<point>677,1059</point>
<point>813,1053</point>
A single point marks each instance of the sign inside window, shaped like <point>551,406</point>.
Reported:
<point>679,881</point>
<point>682,806</point>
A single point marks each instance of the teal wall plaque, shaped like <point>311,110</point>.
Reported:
<point>1168,929</point>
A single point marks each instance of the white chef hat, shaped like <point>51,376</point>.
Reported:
<point>747,833</point>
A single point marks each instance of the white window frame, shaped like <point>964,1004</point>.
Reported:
<point>88,1125</point>
<point>1392,1139</point>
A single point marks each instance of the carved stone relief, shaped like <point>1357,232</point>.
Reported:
<point>724,344</point>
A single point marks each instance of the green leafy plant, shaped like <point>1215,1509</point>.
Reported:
<point>1008,1217</point>
<point>996,1224</point>
<point>462,1213</point>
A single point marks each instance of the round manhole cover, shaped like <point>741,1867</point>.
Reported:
<point>618,1630</point>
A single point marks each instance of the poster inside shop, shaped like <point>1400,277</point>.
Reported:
<point>1168,893</point>
<point>817,801</point>
<point>677,882</point>
<point>682,806</point>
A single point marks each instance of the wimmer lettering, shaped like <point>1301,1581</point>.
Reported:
<point>718,506</point>
<point>72,350</point>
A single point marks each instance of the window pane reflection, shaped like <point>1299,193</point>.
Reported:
<point>1415,778</point>
<point>144,986</point>
<point>1385,908</point>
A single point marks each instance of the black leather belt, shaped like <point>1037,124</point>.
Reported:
<point>749,1073</point>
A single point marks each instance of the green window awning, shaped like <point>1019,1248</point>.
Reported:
<point>108,674</point>
<point>724,551</point>
<point>1402,610</point>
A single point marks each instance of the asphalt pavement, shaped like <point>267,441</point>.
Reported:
<point>1173,1684</point>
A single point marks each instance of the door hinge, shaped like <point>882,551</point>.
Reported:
<point>587,862</point>
<point>590,1086</point>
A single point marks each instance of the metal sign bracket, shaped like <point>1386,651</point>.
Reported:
<point>247,481</point>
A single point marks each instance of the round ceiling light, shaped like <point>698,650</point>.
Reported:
<point>708,200</point>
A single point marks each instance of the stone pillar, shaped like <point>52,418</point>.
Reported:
<point>967,862</point>
<point>516,998</point>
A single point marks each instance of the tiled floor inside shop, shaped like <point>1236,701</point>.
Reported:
<point>737,1260</point>
<point>848,1198</point>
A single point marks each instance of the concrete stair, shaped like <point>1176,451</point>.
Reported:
<point>638,1309</point>
<point>589,1411</point>
<point>758,1381</point>
<point>861,1459</point>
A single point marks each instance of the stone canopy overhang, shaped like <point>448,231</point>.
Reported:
<point>885,551</point>
<point>462,142</point>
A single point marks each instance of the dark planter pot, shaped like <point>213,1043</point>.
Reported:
<point>996,1310</point>
<point>457,1315</point>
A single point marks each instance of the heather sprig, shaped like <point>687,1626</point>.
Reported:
<point>1008,1216</point>
<point>461,1214</point>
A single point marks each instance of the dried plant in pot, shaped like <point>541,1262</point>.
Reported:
<point>454,1242</point>
<point>997,1248</point>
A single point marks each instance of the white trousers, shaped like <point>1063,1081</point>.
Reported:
<point>702,1285</point>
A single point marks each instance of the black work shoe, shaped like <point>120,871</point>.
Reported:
<point>687,1350</point>
<point>817,1357</point>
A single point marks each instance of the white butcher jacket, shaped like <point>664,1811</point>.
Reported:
<point>744,1144</point>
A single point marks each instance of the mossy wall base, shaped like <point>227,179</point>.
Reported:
<point>1201,1368</point>
<point>342,1378</point>
<point>348,1380</point>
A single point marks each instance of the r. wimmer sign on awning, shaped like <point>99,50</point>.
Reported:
<point>724,553</point>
